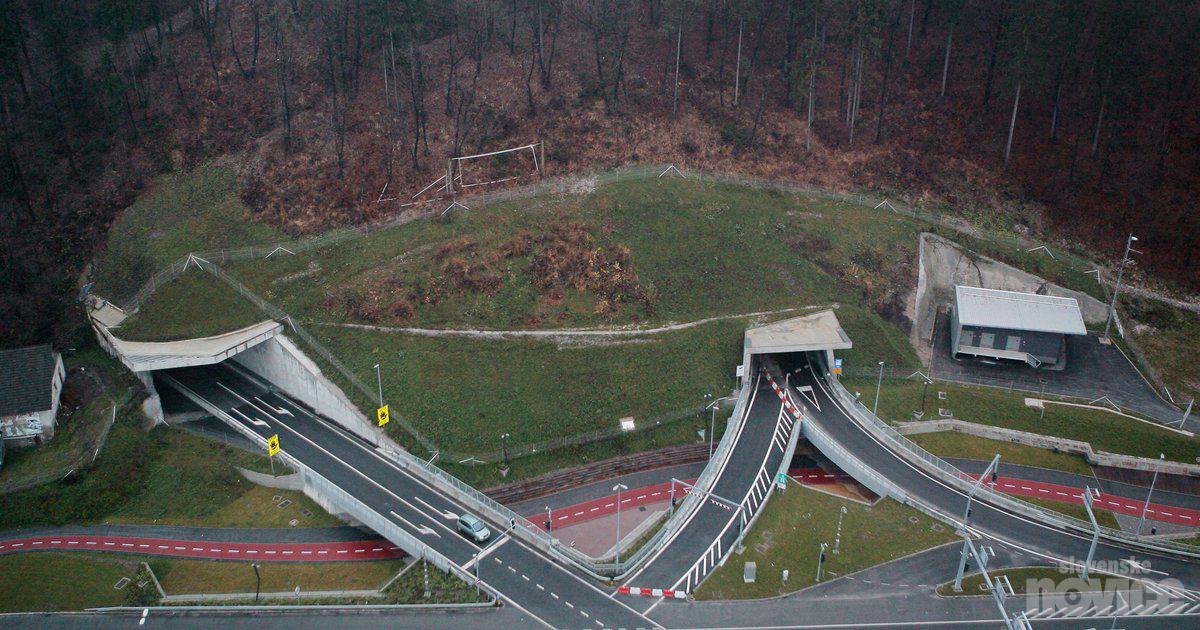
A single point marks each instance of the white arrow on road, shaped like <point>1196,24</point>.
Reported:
<point>278,410</point>
<point>421,529</point>
<point>255,421</point>
<point>449,515</point>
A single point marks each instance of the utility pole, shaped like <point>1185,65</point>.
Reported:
<point>1146,505</point>
<point>1090,494</point>
<point>1186,412</point>
<point>878,385</point>
<point>1112,307</point>
<point>618,488</point>
<point>379,380</point>
<point>967,549</point>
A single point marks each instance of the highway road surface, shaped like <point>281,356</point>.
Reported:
<point>527,580</point>
<point>995,523</point>
<point>740,489</point>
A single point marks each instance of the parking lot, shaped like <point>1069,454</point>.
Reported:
<point>1092,370</point>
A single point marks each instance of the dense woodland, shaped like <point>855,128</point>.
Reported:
<point>1067,117</point>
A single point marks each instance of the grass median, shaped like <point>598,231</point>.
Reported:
<point>1002,408</point>
<point>789,533</point>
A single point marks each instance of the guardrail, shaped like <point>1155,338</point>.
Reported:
<point>537,536</point>
<point>952,474</point>
<point>336,495</point>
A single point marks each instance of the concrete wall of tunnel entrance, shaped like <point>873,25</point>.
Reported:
<point>284,366</point>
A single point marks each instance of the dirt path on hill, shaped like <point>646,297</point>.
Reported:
<point>566,333</point>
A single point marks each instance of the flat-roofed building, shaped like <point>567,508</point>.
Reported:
<point>1013,326</point>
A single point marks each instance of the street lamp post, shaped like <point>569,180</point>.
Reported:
<point>618,488</point>
<point>257,581</point>
<point>504,447</point>
<point>924,391</point>
<point>1146,505</point>
<point>1112,307</point>
<point>475,557</point>
<point>379,380</point>
<point>878,385</point>
<point>549,518</point>
<point>820,560</point>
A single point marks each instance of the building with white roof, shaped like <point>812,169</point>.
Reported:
<point>1014,326</point>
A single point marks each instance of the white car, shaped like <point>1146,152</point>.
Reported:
<point>473,528</point>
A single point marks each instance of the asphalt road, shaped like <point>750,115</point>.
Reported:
<point>534,584</point>
<point>511,619</point>
<point>997,524</point>
<point>743,481</point>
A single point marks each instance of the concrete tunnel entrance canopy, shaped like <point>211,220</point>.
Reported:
<point>144,356</point>
<point>807,333</point>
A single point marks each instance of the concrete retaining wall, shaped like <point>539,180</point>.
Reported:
<point>293,481</point>
<point>279,361</point>
<point>1099,458</point>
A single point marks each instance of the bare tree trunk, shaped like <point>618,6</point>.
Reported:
<point>678,44</point>
<point>946,62</point>
<point>1054,112</point>
<point>281,64</point>
<point>737,75</point>
<point>912,17</point>
<point>1099,118</point>
<point>233,43</point>
<point>1012,124</point>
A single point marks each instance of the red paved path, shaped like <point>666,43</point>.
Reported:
<point>265,552</point>
<point>563,517</point>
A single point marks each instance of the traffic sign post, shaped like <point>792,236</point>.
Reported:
<point>382,415</point>
<point>837,366</point>
<point>272,451</point>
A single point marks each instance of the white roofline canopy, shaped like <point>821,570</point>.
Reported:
<point>807,333</point>
<point>993,308</point>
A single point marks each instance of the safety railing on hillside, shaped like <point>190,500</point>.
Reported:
<point>964,481</point>
<point>343,499</point>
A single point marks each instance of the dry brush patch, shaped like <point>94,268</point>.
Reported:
<point>562,257</point>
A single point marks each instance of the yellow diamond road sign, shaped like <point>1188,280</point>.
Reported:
<point>382,414</point>
<point>273,445</point>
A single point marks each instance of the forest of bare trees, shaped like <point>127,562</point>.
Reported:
<point>1087,109</point>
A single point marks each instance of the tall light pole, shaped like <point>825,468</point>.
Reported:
<point>475,557</point>
<point>504,446</point>
<point>820,560</point>
<point>1125,260</point>
<point>878,385</point>
<point>257,581</point>
<point>379,380</point>
<point>618,488</point>
<point>1146,505</point>
<point>924,391</point>
<point>549,519</point>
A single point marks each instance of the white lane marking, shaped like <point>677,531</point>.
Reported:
<point>486,552</point>
<point>442,513</point>
<point>838,405</point>
<point>720,472</point>
<point>421,529</point>
<point>400,471</point>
